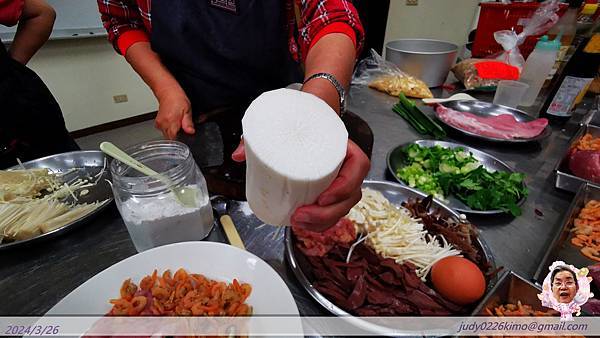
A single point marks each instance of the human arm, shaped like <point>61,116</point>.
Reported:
<point>333,52</point>
<point>332,49</point>
<point>329,36</point>
<point>174,108</point>
<point>127,32</point>
<point>35,26</point>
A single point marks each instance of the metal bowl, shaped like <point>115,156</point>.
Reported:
<point>486,109</point>
<point>396,160</point>
<point>428,60</point>
<point>397,194</point>
<point>88,164</point>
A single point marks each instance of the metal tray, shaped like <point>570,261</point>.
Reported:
<point>564,179</point>
<point>397,194</point>
<point>593,115</point>
<point>395,160</point>
<point>510,288</point>
<point>486,109</point>
<point>88,164</point>
<point>561,247</point>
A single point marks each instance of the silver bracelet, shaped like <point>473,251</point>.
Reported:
<point>336,84</point>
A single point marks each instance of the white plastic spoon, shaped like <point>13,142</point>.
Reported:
<point>185,196</point>
<point>455,97</point>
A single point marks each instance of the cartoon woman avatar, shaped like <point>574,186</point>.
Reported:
<point>565,289</point>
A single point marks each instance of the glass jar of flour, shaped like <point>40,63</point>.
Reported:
<point>151,212</point>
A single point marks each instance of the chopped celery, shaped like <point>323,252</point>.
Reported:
<point>442,171</point>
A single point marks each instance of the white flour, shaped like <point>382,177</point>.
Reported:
<point>245,208</point>
<point>160,220</point>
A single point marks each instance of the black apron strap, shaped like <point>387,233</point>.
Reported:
<point>224,53</point>
<point>32,122</point>
<point>3,52</point>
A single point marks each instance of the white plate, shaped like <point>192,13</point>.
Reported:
<point>270,295</point>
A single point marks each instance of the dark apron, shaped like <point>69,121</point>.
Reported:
<point>31,122</point>
<point>222,58</point>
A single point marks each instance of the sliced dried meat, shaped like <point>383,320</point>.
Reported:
<point>503,126</point>
<point>368,311</point>
<point>401,308</point>
<point>462,235</point>
<point>381,288</point>
<point>370,255</point>
<point>328,277</point>
<point>439,299</point>
<point>338,274</point>
<point>358,295</point>
<point>336,295</point>
<point>378,297</point>
<point>370,285</point>
<point>373,282</point>
<point>426,304</point>
<point>352,273</point>
<point>390,278</point>
<point>374,310</point>
<point>411,279</point>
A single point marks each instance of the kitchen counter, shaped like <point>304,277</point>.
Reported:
<point>518,243</point>
<point>35,278</point>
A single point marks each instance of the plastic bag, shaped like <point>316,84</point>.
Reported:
<point>484,74</point>
<point>386,77</point>
<point>543,18</point>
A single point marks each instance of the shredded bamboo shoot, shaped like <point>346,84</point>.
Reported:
<point>32,202</point>
<point>394,233</point>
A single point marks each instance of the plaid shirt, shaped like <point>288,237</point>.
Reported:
<point>10,11</point>
<point>126,15</point>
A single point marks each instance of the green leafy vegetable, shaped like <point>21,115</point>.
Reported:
<point>442,171</point>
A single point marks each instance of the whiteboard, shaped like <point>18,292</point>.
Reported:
<point>74,19</point>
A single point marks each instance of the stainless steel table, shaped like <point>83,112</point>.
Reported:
<point>33,279</point>
<point>517,243</point>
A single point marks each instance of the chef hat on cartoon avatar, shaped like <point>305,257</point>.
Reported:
<point>551,297</point>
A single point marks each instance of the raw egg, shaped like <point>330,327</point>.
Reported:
<point>458,279</point>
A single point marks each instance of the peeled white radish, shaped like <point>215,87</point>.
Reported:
<point>295,145</point>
